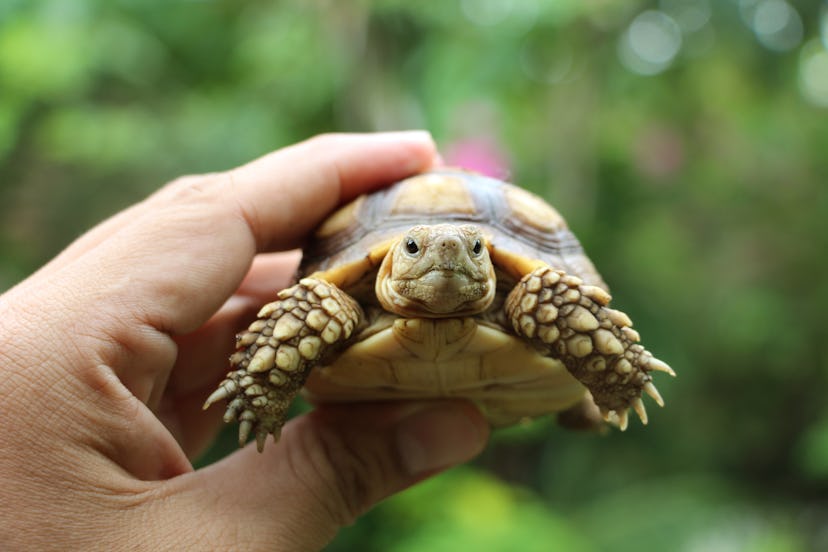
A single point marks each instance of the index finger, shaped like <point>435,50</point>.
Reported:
<point>313,177</point>
<point>187,247</point>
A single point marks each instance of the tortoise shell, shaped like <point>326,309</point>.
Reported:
<point>520,226</point>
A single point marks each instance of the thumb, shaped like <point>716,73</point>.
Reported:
<point>329,467</point>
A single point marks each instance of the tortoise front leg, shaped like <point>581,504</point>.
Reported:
<point>572,321</point>
<point>276,353</point>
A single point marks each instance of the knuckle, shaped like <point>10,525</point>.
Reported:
<point>215,192</point>
<point>194,188</point>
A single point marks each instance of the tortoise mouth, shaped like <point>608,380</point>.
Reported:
<point>442,277</point>
<point>449,271</point>
<point>438,293</point>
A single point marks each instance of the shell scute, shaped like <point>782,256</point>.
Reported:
<point>523,230</point>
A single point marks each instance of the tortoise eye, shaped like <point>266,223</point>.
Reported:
<point>411,246</point>
<point>477,247</point>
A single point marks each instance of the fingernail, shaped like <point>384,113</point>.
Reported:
<point>440,436</point>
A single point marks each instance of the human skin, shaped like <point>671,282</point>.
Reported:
<point>108,352</point>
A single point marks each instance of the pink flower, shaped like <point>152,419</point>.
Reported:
<point>483,155</point>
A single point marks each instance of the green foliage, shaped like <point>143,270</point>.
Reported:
<point>812,451</point>
<point>464,509</point>
<point>697,188</point>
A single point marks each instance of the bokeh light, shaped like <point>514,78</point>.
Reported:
<point>650,43</point>
<point>487,12</point>
<point>691,15</point>
<point>823,25</point>
<point>813,73</point>
<point>776,23</point>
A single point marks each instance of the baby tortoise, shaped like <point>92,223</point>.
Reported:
<point>446,284</point>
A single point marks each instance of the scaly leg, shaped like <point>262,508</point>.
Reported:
<point>276,353</point>
<point>572,321</point>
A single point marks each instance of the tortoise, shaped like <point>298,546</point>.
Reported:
<point>446,284</point>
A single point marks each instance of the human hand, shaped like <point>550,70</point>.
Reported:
<point>108,352</point>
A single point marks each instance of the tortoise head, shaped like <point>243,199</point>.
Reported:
<point>437,271</point>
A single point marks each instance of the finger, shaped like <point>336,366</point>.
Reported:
<point>188,248</point>
<point>330,467</point>
<point>261,171</point>
<point>209,228</point>
<point>284,195</point>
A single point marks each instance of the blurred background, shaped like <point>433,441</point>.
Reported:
<point>686,141</point>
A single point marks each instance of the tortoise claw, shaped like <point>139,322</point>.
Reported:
<point>623,420</point>
<point>638,406</point>
<point>261,437</point>
<point>659,366</point>
<point>245,427</point>
<point>651,390</point>
<point>215,396</point>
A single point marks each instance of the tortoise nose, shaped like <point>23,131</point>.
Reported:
<point>449,244</point>
<point>449,251</point>
<point>449,248</point>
